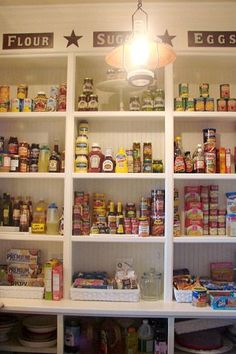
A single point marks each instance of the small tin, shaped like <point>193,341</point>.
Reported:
<point>4,92</point>
<point>225,91</point>
<point>178,104</point>
<point>199,104</point>
<point>222,105</point>
<point>189,105</point>
<point>27,105</point>
<point>15,105</point>
<point>183,90</point>
<point>209,104</point>
<point>51,104</point>
<point>62,89</point>
<point>199,297</point>
<point>232,105</point>
<point>204,90</point>
<point>22,91</point>
<point>15,162</point>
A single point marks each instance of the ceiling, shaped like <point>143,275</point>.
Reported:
<point>67,2</point>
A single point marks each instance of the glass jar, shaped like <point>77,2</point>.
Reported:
<point>82,103</point>
<point>88,86</point>
<point>134,103</point>
<point>151,285</point>
<point>147,101</point>
<point>93,103</point>
<point>157,166</point>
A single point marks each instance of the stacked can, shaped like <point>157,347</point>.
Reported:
<point>62,98</point>
<point>4,98</point>
<point>131,223</point>
<point>21,103</point>
<point>177,230</point>
<point>137,157</point>
<point>213,209</point>
<point>147,157</point>
<point>225,102</point>
<point>209,141</point>
<point>81,214</point>
<point>157,212</point>
<point>82,148</point>
<point>99,211</point>
<point>204,102</point>
<point>184,102</point>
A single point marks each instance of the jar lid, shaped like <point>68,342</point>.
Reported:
<point>96,145</point>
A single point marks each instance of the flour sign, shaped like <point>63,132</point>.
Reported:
<point>211,39</point>
<point>27,40</point>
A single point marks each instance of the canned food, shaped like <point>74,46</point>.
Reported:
<point>134,226</point>
<point>147,150</point>
<point>4,105</point>
<point>147,165</point>
<point>62,103</point>
<point>157,166</point>
<point>157,226</point>
<point>199,297</point>
<point>63,89</point>
<point>210,162</point>
<point>22,91</point>
<point>54,91</point>
<point>4,92</point>
<point>199,104</point>
<point>232,105</point>
<point>15,162</point>
<point>178,104</point>
<point>183,90</point>
<point>189,104</point>
<point>143,229</point>
<point>222,105</point>
<point>40,102</point>
<point>204,90</point>
<point>130,161</point>
<point>209,104</point>
<point>225,91</point>
<point>51,104</point>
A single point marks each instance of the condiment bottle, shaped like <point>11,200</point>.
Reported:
<point>108,164</point>
<point>179,164</point>
<point>121,161</point>
<point>188,162</point>
<point>111,219</point>
<point>198,160</point>
<point>54,162</point>
<point>96,158</point>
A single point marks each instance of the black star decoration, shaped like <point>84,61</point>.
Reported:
<point>72,39</point>
<point>166,38</point>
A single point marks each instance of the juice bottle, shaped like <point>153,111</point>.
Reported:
<point>145,338</point>
<point>38,225</point>
<point>52,223</point>
<point>121,161</point>
<point>132,341</point>
<point>44,156</point>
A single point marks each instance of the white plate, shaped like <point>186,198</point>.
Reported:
<point>227,345</point>
<point>30,344</point>
<point>40,324</point>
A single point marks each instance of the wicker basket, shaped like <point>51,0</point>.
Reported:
<point>21,292</point>
<point>183,295</point>
<point>127,295</point>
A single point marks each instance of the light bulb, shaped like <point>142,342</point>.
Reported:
<point>139,51</point>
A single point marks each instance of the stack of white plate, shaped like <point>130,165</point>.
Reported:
<point>7,322</point>
<point>38,331</point>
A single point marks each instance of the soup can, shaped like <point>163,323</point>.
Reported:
<point>204,90</point>
<point>199,297</point>
<point>225,91</point>
<point>22,91</point>
<point>5,92</point>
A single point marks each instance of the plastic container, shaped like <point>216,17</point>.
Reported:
<point>44,155</point>
<point>52,223</point>
<point>38,225</point>
<point>145,338</point>
<point>132,341</point>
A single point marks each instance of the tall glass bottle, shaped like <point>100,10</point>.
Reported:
<point>179,162</point>
<point>198,159</point>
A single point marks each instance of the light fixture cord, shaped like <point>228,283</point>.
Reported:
<point>140,4</point>
<point>140,8</point>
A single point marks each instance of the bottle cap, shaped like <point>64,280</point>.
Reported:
<point>108,152</point>
<point>52,205</point>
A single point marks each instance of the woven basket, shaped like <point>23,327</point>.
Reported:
<point>126,295</point>
<point>183,295</point>
<point>21,292</point>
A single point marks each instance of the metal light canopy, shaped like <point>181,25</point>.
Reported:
<point>140,56</point>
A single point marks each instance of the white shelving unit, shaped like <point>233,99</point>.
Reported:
<point>112,128</point>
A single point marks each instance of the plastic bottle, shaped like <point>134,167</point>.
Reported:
<point>145,338</point>
<point>44,156</point>
<point>38,225</point>
<point>52,223</point>
<point>132,341</point>
<point>121,161</point>
<point>198,159</point>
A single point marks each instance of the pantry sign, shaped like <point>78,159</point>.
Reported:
<point>211,39</point>
<point>27,40</point>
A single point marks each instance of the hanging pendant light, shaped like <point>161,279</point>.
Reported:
<point>139,56</point>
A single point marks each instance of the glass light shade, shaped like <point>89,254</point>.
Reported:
<point>159,55</point>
